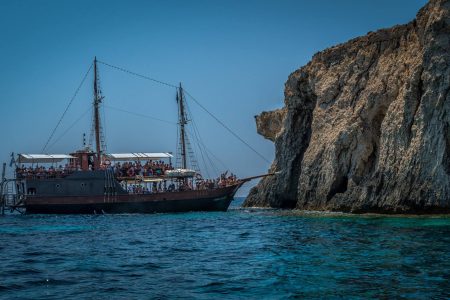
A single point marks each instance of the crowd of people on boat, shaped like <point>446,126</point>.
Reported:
<point>182,185</point>
<point>149,188</point>
<point>126,169</point>
<point>219,182</point>
<point>43,172</point>
<point>149,169</point>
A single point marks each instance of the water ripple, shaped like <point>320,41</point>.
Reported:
<point>244,253</point>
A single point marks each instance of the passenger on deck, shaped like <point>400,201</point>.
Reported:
<point>149,169</point>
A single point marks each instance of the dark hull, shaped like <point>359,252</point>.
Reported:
<point>204,200</point>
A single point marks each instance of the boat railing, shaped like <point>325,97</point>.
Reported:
<point>141,178</point>
<point>176,189</point>
<point>137,184</point>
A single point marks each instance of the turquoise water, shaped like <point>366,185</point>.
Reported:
<point>243,253</point>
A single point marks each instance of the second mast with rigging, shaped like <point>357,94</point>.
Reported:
<point>97,126</point>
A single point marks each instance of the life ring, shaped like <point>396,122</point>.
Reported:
<point>107,162</point>
<point>130,172</point>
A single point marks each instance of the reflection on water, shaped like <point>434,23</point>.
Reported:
<point>242,253</point>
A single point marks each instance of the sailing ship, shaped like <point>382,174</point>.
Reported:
<point>95,181</point>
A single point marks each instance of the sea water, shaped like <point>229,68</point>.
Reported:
<point>242,253</point>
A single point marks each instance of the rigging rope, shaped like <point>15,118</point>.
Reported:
<point>70,127</point>
<point>204,154</point>
<point>200,143</point>
<point>136,74</point>
<point>226,127</point>
<point>103,126</point>
<point>139,114</point>
<point>91,134</point>
<point>196,101</point>
<point>215,157</point>
<point>67,108</point>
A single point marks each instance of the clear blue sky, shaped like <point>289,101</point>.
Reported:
<point>233,56</point>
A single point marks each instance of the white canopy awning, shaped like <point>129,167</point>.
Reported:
<point>43,158</point>
<point>138,156</point>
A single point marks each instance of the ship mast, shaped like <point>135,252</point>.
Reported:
<point>97,101</point>
<point>182,122</point>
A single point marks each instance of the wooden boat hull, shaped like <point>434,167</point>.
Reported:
<point>200,200</point>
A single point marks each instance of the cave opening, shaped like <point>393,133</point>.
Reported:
<point>339,186</point>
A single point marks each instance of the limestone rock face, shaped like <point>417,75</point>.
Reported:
<point>270,124</point>
<point>366,124</point>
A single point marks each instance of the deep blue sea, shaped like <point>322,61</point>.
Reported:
<point>240,254</point>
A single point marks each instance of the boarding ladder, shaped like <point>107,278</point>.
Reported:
<point>12,194</point>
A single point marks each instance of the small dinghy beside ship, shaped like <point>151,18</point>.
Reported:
<point>93,181</point>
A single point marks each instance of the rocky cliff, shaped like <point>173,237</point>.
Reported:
<point>366,124</point>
